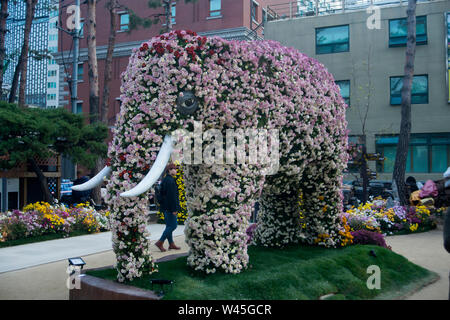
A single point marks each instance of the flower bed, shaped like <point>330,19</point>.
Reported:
<point>376,216</point>
<point>41,218</point>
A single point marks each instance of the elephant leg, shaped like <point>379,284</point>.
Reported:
<point>278,215</point>
<point>321,205</point>
<point>219,201</point>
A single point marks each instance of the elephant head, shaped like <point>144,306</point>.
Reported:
<point>178,79</point>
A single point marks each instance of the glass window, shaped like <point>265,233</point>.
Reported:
<point>174,12</point>
<point>80,71</point>
<point>398,31</point>
<point>420,159</point>
<point>82,27</point>
<point>214,8</point>
<point>439,158</point>
<point>427,152</point>
<point>124,21</point>
<point>344,85</point>
<point>79,107</point>
<point>254,10</point>
<point>389,158</point>
<point>355,144</point>
<point>332,39</point>
<point>419,90</point>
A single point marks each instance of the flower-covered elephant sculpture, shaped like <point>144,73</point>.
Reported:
<point>179,78</point>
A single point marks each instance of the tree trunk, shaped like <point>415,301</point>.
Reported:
<point>405,125</point>
<point>3,17</point>
<point>112,5</point>
<point>168,13</point>
<point>92,62</point>
<point>42,181</point>
<point>94,102</point>
<point>21,68</point>
<point>364,176</point>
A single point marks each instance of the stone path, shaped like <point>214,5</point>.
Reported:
<point>34,254</point>
<point>427,250</point>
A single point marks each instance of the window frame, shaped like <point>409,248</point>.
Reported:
<point>403,44</point>
<point>323,45</point>
<point>349,90</point>
<point>217,13</point>
<point>173,7</point>
<point>412,95</point>
<point>429,137</point>
<point>254,8</point>
<point>121,14</point>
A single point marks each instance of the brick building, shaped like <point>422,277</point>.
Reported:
<point>229,19</point>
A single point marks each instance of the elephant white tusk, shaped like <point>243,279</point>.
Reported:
<point>155,172</point>
<point>94,182</point>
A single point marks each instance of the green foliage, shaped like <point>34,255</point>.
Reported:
<point>33,132</point>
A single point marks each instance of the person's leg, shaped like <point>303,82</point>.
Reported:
<point>174,224</point>
<point>167,233</point>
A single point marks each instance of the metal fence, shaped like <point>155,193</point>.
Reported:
<point>305,8</point>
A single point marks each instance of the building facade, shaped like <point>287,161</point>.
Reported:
<point>42,72</point>
<point>229,19</point>
<point>364,48</point>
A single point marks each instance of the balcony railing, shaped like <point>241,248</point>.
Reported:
<point>306,8</point>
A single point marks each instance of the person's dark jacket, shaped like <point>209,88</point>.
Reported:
<point>447,231</point>
<point>170,198</point>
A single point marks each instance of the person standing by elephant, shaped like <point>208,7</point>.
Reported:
<point>170,206</point>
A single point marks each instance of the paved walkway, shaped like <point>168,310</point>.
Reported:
<point>34,254</point>
<point>38,271</point>
<point>427,250</point>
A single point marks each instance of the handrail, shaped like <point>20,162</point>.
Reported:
<point>305,8</point>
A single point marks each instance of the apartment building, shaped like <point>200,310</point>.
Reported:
<point>42,73</point>
<point>363,43</point>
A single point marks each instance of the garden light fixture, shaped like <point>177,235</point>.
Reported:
<point>76,262</point>
<point>161,282</point>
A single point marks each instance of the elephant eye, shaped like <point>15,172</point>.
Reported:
<point>187,103</point>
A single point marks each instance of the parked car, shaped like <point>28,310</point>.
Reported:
<point>375,188</point>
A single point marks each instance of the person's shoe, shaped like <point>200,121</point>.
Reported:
<point>173,246</point>
<point>159,244</point>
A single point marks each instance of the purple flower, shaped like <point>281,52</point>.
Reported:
<point>369,237</point>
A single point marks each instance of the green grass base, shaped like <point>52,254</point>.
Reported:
<point>299,272</point>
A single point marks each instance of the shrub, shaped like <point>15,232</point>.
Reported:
<point>369,237</point>
<point>41,218</point>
